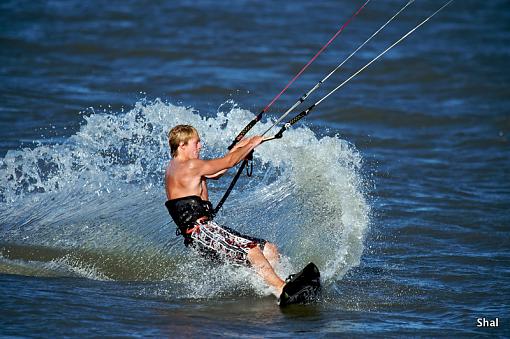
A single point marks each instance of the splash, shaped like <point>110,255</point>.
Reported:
<point>64,266</point>
<point>101,191</point>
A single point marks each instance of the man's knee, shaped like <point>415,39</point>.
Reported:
<point>270,249</point>
<point>254,253</point>
<point>257,258</point>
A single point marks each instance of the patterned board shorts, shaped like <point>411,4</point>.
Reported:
<point>222,243</point>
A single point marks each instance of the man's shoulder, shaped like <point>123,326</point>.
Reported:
<point>190,166</point>
<point>193,163</point>
<point>178,166</point>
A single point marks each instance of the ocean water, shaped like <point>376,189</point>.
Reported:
<point>397,186</point>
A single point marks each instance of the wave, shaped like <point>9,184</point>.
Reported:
<point>93,206</point>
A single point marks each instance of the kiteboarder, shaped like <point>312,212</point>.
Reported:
<point>188,203</point>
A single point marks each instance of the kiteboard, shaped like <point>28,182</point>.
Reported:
<point>302,287</point>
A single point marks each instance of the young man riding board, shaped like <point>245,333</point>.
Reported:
<point>188,204</point>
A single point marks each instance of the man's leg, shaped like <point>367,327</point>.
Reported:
<point>271,253</point>
<point>225,241</point>
<point>264,269</point>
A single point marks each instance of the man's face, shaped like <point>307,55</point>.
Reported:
<point>192,147</point>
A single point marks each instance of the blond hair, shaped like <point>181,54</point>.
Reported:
<point>178,134</point>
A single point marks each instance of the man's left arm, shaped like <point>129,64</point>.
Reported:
<point>219,174</point>
<point>216,176</point>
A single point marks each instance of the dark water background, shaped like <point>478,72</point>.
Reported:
<point>397,186</point>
